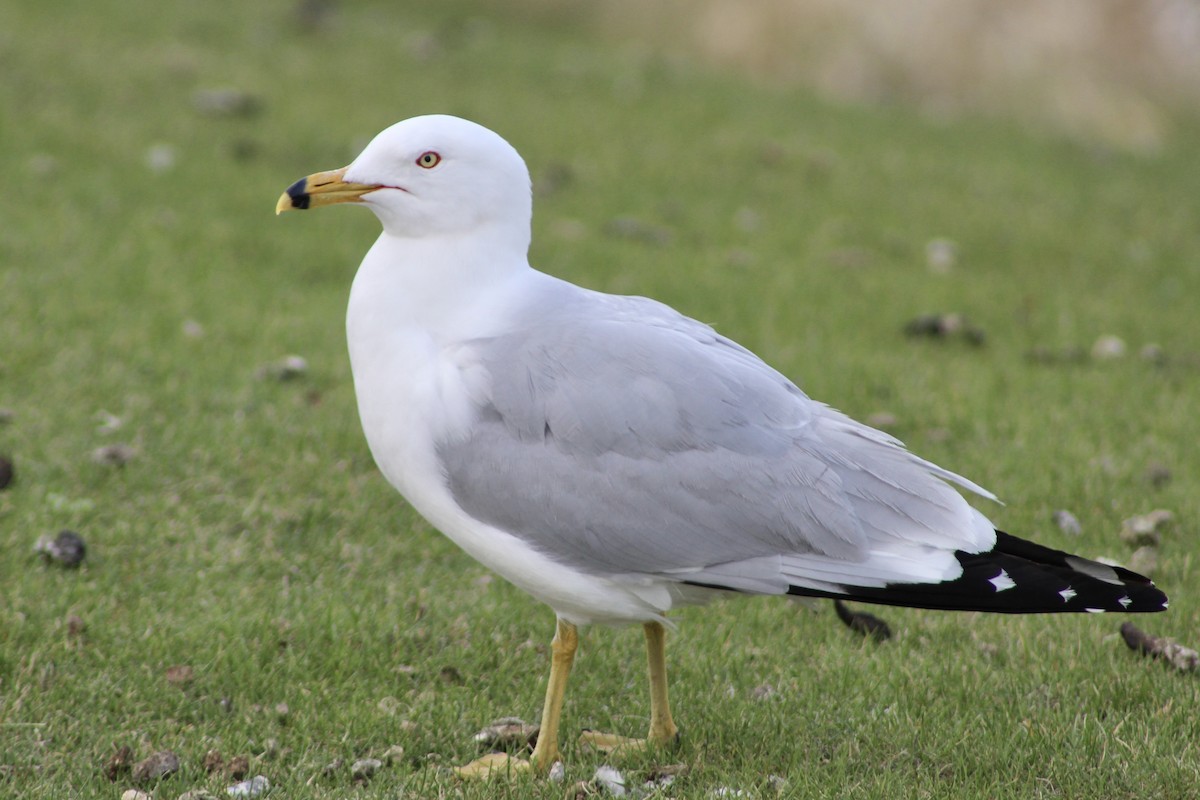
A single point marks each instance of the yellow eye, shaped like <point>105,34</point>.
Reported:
<point>428,159</point>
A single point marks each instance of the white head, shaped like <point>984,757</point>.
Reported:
<point>431,176</point>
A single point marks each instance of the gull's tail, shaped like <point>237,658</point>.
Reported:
<point>1018,577</point>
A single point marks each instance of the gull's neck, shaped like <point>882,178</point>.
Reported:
<point>450,286</point>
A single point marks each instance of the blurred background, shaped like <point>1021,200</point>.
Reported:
<point>1114,71</point>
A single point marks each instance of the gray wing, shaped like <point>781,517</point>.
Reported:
<point>618,436</point>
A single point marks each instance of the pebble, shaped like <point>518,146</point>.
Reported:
<point>365,768</point>
<point>113,455</point>
<point>251,788</point>
<point>226,103</point>
<point>610,780</point>
<point>393,755</point>
<point>1108,347</point>
<point>945,326</point>
<point>1145,529</point>
<point>160,158</point>
<point>197,794</point>
<point>155,767</point>
<point>8,471</point>
<point>76,627</point>
<point>286,369</point>
<point>1067,522</point>
<point>237,767</point>
<point>136,794</point>
<point>67,549</point>
<point>558,772</point>
<point>507,731</point>
<point>119,763</point>
<point>941,255</point>
<point>1144,561</point>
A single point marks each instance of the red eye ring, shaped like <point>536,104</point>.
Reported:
<point>428,160</point>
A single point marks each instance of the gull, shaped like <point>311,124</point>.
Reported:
<point>616,459</point>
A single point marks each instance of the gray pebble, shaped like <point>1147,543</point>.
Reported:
<point>67,549</point>
<point>251,788</point>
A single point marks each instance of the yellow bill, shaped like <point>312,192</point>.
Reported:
<point>322,189</point>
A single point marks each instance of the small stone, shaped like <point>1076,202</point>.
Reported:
<point>778,783</point>
<point>507,731</point>
<point>945,326</point>
<point>1108,347</point>
<point>393,755</point>
<point>1145,529</point>
<point>197,794</point>
<point>76,627</point>
<point>1158,475</point>
<point>119,763</point>
<point>1152,353</point>
<point>1067,522</point>
<point>286,369</point>
<point>763,692</point>
<point>162,764</point>
<point>1144,560</point>
<point>226,103</point>
<point>160,158</point>
<point>282,711</point>
<point>660,777</point>
<point>109,423</point>
<point>365,768</point>
<point>67,549</point>
<point>251,788</point>
<point>213,762</point>
<point>332,768</point>
<point>1184,659</point>
<point>238,767</point>
<point>581,790</point>
<point>113,455</point>
<point>180,675</point>
<point>136,794</point>
<point>8,471</point>
<point>941,255</point>
<point>610,780</point>
<point>558,772</point>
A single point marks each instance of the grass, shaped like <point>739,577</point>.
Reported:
<point>252,540</point>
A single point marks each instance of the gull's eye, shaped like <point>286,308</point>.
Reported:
<point>428,159</point>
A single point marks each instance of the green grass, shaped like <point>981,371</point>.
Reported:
<point>253,540</point>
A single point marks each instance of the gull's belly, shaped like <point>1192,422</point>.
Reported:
<point>409,395</point>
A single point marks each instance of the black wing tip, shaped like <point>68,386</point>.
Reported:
<point>1020,577</point>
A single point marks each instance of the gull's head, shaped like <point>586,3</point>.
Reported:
<point>429,176</point>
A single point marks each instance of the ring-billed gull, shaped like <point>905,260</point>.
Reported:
<point>616,459</point>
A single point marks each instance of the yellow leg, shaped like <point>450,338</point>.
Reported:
<point>662,727</point>
<point>562,656</point>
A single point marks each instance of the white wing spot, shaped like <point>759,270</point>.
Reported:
<point>1002,581</point>
<point>1094,610</point>
<point>1125,602</point>
<point>1066,594</point>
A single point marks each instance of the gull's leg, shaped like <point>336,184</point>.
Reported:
<point>545,753</point>
<point>662,727</point>
<point>562,656</point>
